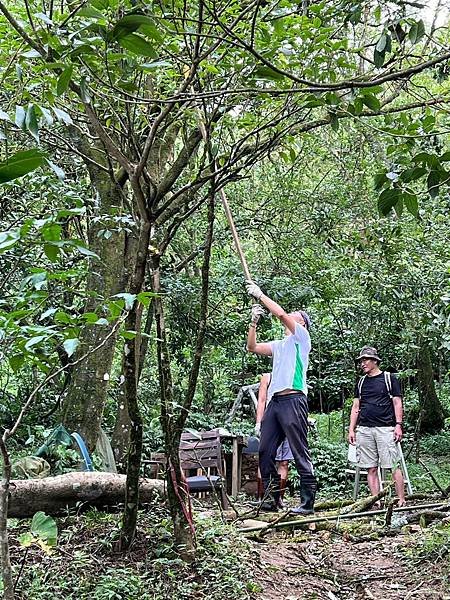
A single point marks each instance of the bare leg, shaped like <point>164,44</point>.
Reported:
<point>283,471</point>
<point>283,468</point>
<point>373,480</point>
<point>399,483</point>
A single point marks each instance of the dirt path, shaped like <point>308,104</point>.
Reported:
<point>323,566</point>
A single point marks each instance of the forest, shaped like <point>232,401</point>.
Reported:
<point>154,155</point>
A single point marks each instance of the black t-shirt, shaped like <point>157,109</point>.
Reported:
<point>376,408</point>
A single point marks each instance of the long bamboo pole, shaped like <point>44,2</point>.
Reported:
<point>225,204</point>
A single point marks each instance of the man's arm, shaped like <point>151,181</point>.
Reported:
<point>398,410</point>
<point>271,305</point>
<point>263,349</point>
<point>262,399</point>
<point>252,345</point>
<point>353,420</point>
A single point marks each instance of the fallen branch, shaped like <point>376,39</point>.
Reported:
<point>361,515</point>
<point>366,503</point>
<point>53,495</point>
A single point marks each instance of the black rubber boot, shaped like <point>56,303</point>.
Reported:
<point>308,490</point>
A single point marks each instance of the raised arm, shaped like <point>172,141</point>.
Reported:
<point>263,349</point>
<point>277,311</point>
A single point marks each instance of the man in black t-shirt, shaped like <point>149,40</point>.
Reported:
<point>376,422</point>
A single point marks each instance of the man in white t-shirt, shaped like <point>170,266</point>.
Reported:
<point>287,413</point>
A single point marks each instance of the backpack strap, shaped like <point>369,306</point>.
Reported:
<point>388,382</point>
<point>360,384</point>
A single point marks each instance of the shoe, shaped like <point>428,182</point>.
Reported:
<point>307,496</point>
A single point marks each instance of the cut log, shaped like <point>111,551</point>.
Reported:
<point>53,495</point>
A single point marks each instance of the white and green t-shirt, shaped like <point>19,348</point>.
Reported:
<point>290,362</point>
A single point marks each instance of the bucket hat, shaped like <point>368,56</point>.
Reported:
<point>369,352</point>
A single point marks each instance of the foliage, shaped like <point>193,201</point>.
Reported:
<point>433,544</point>
<point>222,569</point>
<point>330,462</point>
<point>43,532</point>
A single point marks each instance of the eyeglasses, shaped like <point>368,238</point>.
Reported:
<point>363,360</point>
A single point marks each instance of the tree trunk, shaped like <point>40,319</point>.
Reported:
<point>432,412</point>
<point>176,491</point>
<point>86,396</point>
<point>121,434</point>
<point>53,495</point>
<point>131,369</point>
<point>8,586</point>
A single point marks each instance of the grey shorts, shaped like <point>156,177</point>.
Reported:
<point>376,447</point>
<point>284,452</point>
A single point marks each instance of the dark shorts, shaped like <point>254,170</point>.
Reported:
<point>284,452</point>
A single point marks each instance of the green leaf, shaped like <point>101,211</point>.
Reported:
<point>378,58</point>
<point>101,321</point>
<point>445,157</point>
<point>26,539</point>
<point>379,179</point>
<point>71,345</point>
<point>130,23</point>
<point>90,12</point>
<point>64,80</point>
<point>433,181</point>
<point>34,340</point>
<point>20,164</point>
<point>355,17</point>
<point>413,174</point>
<point>51,252</point>
<point>387,200</point>
<point>267,73</point>
<point>31,122</point>
<point>129,299</point>
<point>129,334</point>
<point>358,105</point>
<point>334,121</point>
<point>416,32</point>
<point>51,232</point>
<point>20,117</point>
<point>398,207</point>
<point>43,17</point>
<point>44,528</point>
<point>8,239</point>
<point>47,115</point>
<point>371,102</point>
<point>63,116</point>
<point>145,297</point>
<point>138,45</point>
<point>82,249</point>
<point>157,64</point>
<point>16,361</point>
<point>48,313</point>
<point>411,203</point>
<point>381,44</point>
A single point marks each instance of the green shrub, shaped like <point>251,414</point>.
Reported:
<point>330,461</point>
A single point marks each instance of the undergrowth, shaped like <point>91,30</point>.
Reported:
<point>85,565</point>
